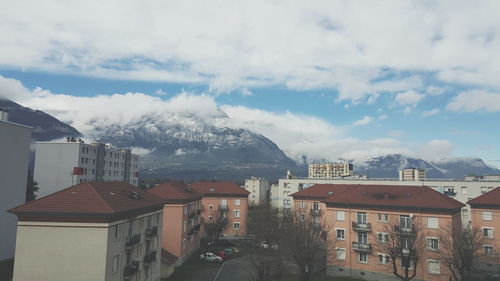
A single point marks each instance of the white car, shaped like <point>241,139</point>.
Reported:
<point>211,257</point>
<point>265,245</point>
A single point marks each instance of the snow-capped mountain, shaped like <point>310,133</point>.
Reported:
<point>387,166</point>
<point>459,167</point>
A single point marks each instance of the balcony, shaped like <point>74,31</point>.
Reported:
<point>131,269</point>
<point>223,207</point>
<point>151,232</point>
<point>198,212</point>
<point>362,247</point>
<point>405,229</point>
<point>149,258</point>
<point>132,240</point>
<point>365,227</point>
<point>315,212</point>
<point>450,193</point>
<point>196,227</point>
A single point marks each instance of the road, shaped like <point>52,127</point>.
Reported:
<point>235,270</point>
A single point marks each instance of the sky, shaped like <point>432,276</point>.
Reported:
<point>326,79</point>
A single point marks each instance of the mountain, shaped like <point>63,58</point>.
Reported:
<point>388,166</point>
<point>460,167</point>
<point>45,127</point>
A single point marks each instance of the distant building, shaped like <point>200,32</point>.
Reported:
<point>330,170</point>
<point>259,189</point>
<point>15,142</point>
<point>59,165</point>
<point>412,174</point>
<point>91,231</point>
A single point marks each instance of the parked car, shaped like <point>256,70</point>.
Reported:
<point>222,254</point>
<point>211,257</point>
<point>266,245</point>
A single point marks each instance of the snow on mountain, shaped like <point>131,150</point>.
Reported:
<point>387,166</point>
<point>460,167</point>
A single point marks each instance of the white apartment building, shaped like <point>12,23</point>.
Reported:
<point>412,174</point>
<point>330,170</point>
<point>260,191</point>
<point>93,231</point>
<point>15,142</point>
<point>60,165</point>
<point>460,190</point>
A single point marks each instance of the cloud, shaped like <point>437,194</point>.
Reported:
<point>475,100</point>
<point>437,149</point>
<point>382,117</point>
<point>430,112</point>
<point>435,91</point>
<point>409,98</point>
<point>246,44</point>
<point>363,121</point>
<point>246,92</point>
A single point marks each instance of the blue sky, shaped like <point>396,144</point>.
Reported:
<point>339,76</point>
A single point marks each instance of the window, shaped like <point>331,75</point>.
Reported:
<point>489,250</point>
<point>432,244</point>
<point>361,218</point>
<point>383,259</point>
<point>486,216</point>
<point>340,215</point>
<point>383,217</point>
<point>210,218</point>
<point>362,238</point>
<point>302,204</point>
<point>223,202</point>
<point>210,207</point>
<point>432,222</point>
<point>237,202</point>
<point>363,257</point>
<point>315,206</point>
<point>488,232</point>
<point>236,213</point>
<point>484,189</point>
<point>184,226</point>
<point>236,226</point>
<point>433,267</point>
<point>382,237</point>
<point>286,202</point>
<point>341,254</point>
<point>116,234</point>
<point>340,234</point>
<point>405,221</point>
<point>116,263</point>
<point>464,189</point>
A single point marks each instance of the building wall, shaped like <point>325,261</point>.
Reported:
<point>488,262</point>
<point>259,191</point>
<point>211,205</point>
<point>329,170</point>
<point>14,150</point>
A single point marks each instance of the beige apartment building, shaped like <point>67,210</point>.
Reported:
<point>357,216</point>
<point>227,199</point>
<point>485,211</point>
<point>92,231</point>
<point>260,191</point>
<point>412,174</point>
<point>181,219</point>
<point>330,170</point>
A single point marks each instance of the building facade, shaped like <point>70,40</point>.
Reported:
<point>182,219</point>
<point>412,174</point>
<point>360,217</point>
<point>260,191</point>
<point>330,170</point>
<point>15,142</point>
<point>227,200</point>
<point>485,214</point>
<point>59,165</point>
<point>91,231</point>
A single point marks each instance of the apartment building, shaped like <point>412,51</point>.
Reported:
<point>412,174</point>
<point>260,191</point>
<point>182,219</point>
<point>358,215</point>
<point>90,231</point>
<point>330,170</point>
<point>485,211</point>
<point>225,199</point>
<point>62,164</point>
<point>15,142</point>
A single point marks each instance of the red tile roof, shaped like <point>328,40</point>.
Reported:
<point>392,196</point>
<point>219,189</point>
<point>175,192</point>
<point>92,199</point>
<point>489,199</point>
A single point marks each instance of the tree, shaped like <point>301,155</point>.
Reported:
<point>460,248</point>
<point>306,236</point>
<point>216,224</point>
<point>31,188</point>
<point>404,242</point>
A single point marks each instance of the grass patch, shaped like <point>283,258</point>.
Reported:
<point>6,269</point>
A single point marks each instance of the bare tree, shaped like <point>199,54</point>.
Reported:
<point>460,248</point>
<point>307,241</point>
<point>404,242</point>
<point>216,224</point>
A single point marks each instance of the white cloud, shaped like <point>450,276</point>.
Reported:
<point>409,98</point>
<point>435,91</point>
<point>354,47</point>
<point>382,117</point>
<point>437,149</point>
<point>475,100</point>
<point>246,92</point>
<point>430,112</point>
<point>363,121</point>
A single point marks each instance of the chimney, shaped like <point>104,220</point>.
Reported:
<point>4,115</point>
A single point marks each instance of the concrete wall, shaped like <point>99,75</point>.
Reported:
<point>14,153</point>
<point>259,191</point>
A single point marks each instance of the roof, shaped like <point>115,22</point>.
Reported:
<point>92,200</point>
<point>175,192</point>
<point>217,188</point>
<point>490,199</point>
<point>381,196</point>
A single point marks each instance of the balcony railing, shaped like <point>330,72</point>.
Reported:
<point>223,207</point>
<point>315,212</point>
<point>361,226</point>
<point>196,227</point>
<point>362,247</point>
<point>131,269</point>
<point>151,232</point>
<point>405,229</point>
<point>149,258</point>
<point>450,193</point>
<point>132,240</point>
